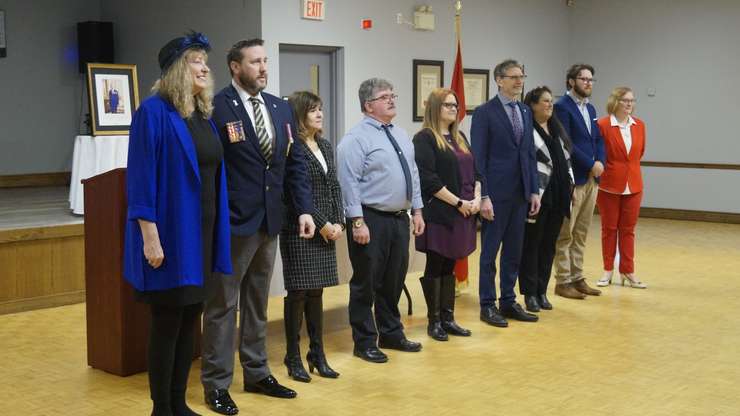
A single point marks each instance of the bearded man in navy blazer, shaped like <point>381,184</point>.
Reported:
<point>578,117</point>
<point>257,131</point>
<point>503,146</point>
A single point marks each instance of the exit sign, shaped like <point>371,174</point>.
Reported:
<point>313,9</point>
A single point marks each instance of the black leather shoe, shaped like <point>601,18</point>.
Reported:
<point>515,311</point>
<point>544,302</point>
<point>401,345</point>
<point>531,303</point>
<point>452,328</point>
<point>220,402</point>
<point>492,316</point>
<point>372,354</point>
<point>435,330</point>
<point>269,386</point>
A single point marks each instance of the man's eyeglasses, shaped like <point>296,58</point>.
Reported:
<point>587,80</point>
<point>515,77</point>
<point>450,106</point>
<point>384,97</point>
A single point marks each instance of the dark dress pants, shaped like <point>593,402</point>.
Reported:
<point>506,230</point>
<point>539,251</point>
<point>378,273</point>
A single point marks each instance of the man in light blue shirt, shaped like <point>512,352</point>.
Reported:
<point>380,183</point>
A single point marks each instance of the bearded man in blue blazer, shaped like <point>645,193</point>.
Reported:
<point>257,131</point>
<point>503,146</point>
<point>578,117</point>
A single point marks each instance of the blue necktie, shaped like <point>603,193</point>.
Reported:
<point>516,123</point>
<point>404,163</point>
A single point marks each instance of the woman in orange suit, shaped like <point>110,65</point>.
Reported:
<point>620,188</point>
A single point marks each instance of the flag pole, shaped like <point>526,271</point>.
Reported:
<point>458,9</point>
<point>461,265</point>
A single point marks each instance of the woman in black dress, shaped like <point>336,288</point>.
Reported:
<point>177,230</point>
<point>555,188</point>
<point>311,265</point>
<point>450,186</point>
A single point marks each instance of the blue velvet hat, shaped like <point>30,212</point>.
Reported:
<point>176,47</point>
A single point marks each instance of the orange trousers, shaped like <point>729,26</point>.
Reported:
<point>618,220</point>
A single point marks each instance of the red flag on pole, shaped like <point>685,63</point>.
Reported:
<point>458,83</point>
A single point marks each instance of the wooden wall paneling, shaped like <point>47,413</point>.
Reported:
<point>68,264</point>
<point>33,265</point>
<point>8,271</point>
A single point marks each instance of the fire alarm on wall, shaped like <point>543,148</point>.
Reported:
<point>367,24</point>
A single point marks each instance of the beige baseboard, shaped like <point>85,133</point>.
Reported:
<point>35,180</point>
<point>41,302</point>
<point>689,215</point>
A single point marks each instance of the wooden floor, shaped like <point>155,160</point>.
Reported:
<point>669,350</point>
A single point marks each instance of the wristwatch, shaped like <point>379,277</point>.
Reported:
<point>459,202</point>
<point>358,222</point>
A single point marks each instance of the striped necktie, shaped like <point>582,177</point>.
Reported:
<point>259,128</point>
<point>516,123</point>
<point>402,159</point>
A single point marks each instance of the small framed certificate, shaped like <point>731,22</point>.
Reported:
<point>476,83</point>
<point>427,75</point>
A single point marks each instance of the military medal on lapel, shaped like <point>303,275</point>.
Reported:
<point>235,130</point>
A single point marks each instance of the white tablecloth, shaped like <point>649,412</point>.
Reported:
<point>92,156</point>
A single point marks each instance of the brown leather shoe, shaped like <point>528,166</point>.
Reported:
<point>584,288</point>
<point>567,290</point>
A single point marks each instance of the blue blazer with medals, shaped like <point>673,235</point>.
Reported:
<point>163,186</point>
<point>256,184</point>
<point>587,147</point>
<point>506,167</point>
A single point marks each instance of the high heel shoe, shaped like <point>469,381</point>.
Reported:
<point>632,281</point>
<point>296,371</point>
<point>606,279</point>
<point>318,361</point>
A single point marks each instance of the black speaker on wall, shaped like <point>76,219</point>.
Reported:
<point>95,43</point>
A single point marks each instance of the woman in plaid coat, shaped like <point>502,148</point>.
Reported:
<point>311,265</point>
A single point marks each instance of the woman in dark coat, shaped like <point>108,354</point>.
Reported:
<point>555,179</point>
<point>311,265</point>
<point>450,187</point>
<point>177,230</point>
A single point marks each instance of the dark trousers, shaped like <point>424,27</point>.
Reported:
<point>171,343</point>
<point>539,251</point>
<point>378,273</point>
<point>506,230</point>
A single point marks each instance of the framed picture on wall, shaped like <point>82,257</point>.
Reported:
<point>114,96</point>
<point>476,82</point>
<point>428,75</point>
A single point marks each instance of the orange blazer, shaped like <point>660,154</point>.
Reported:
<point>622,168</point>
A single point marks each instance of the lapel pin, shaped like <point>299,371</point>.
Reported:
<point>274,106</point>
<point>236,103</point>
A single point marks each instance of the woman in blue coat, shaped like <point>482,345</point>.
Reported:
<point>177,231</point>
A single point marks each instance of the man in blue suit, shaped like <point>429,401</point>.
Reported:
<point>503,146</point>
<point>257,131</point>
<point>578,117</point>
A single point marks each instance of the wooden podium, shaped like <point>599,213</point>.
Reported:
<point>117,325</point>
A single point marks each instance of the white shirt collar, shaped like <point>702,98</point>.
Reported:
<point>245,96</point>
<point>615,122</point>
<point>578,101</point>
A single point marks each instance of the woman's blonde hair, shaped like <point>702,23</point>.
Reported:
<point>176,86</point>
<point>613,101</point>
<point>432,119</point>
<point>302,103</point>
